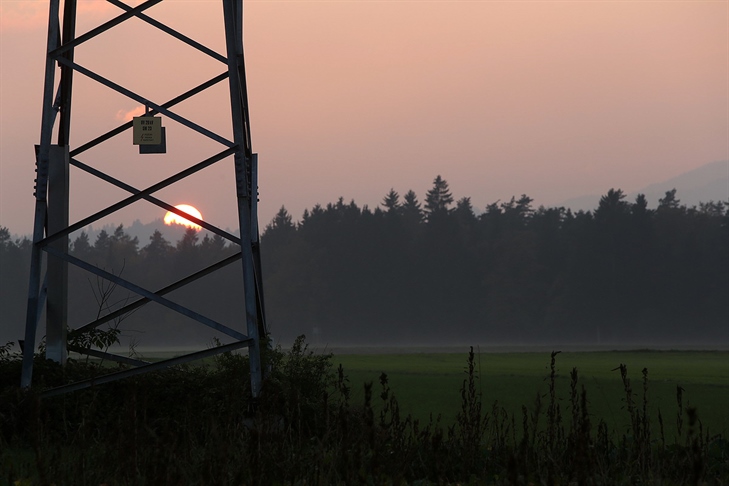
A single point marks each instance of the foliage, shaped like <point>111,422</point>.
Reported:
<point>95,338</point>
<point>6,353</point>
<point>513,273</point>
<point>438,198</point>
<point>197,425</point>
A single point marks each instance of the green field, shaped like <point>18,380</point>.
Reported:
<point>430,382</point>
<point>306,429</point>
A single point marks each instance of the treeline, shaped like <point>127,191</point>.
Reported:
<point>438,272</point>
<point>433,272</point>
<point>153,266</point>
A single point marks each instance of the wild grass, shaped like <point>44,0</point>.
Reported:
<point>425,381</point>
<point>312,425</point>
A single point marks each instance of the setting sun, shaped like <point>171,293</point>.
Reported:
<point>172,218</point>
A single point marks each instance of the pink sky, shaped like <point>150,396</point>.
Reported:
<point>350,98</point>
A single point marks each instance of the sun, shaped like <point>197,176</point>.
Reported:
<point>172,218</point>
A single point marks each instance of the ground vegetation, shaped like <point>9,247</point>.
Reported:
<point>198,425</point>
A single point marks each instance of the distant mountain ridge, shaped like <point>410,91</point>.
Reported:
<point>709,182</point>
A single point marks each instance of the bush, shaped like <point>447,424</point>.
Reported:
<point>198,425</point>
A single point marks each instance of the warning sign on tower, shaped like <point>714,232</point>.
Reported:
<point>147,130</point>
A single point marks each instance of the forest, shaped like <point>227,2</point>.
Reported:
<point>433,272</point>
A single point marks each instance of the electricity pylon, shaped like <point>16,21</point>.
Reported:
<point>52,227</point>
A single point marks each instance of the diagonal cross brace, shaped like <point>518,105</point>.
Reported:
<point>136,197</point>
<point>102,28</point>
<point>159,365</point>
<point>166,290</point>
<point>126,126</point>
<point>154,200</point>
<point>146,293</point>
<point>104,355</point>
<point>142,100</point>
<point>177,35</point>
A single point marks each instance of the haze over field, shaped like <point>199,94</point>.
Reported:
<point>555,100</point>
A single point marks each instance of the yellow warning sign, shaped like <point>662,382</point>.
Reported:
<point>147,130</point>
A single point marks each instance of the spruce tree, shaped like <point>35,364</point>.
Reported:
<point>391,201</point>
<point>411,208</point>
<point>438,198</point>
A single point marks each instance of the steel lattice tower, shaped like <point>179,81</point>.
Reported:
<point>53,161</point>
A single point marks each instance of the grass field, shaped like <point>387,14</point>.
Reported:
<point>426,383</point>
<point>178,428</point>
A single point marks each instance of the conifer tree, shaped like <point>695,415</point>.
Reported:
<point>189,241</point>
<point>438,198</point>
<point>611,206</point>
<point>411,208</point>
<point>464,211</point>
<point>391,201</point>
<point>669,201</point>
<point>158,247</point>
<point>81,246</point>
<point>282,221</point>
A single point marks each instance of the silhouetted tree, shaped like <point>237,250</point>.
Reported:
<point>158,247</point>
<point>212,248</point>
<point>14,265</point>
<point>612,206</point>
<point>187,254</point>
<point>391,202</point>
<point>411,209</point>
<point>102,246</point>
<point>122,249</point>
<point>464,212</point>
<point>669,201</point>
<point>5,240</point>
<point>81,246</point>
<point>282,222</point>
<point>517,212</point>
<point>438,198</point>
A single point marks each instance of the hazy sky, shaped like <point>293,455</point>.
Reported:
<point>554,99</point>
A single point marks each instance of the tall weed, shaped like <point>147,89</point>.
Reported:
<point>198,425</point>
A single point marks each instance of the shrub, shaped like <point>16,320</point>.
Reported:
<point>198,425</point>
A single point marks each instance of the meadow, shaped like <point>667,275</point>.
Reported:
<point>354,418</point>
<point>427,383</point>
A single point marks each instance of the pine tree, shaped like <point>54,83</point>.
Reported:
<point>281,230</point>
<point>611,204</point>
<point>188,243</point>
<point>281,222</point>
<point>212,247</point>
<point>517,212</point>
<point>669,201</point>
<point>464,211</point>
<point>5,240</point>
<point>123,245</point>
<point>102,243</point>
<point>411,208</point>
<point>81,247</point>
<point>158,248</point>
<point>438,198</point>
<point>392,201</point>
